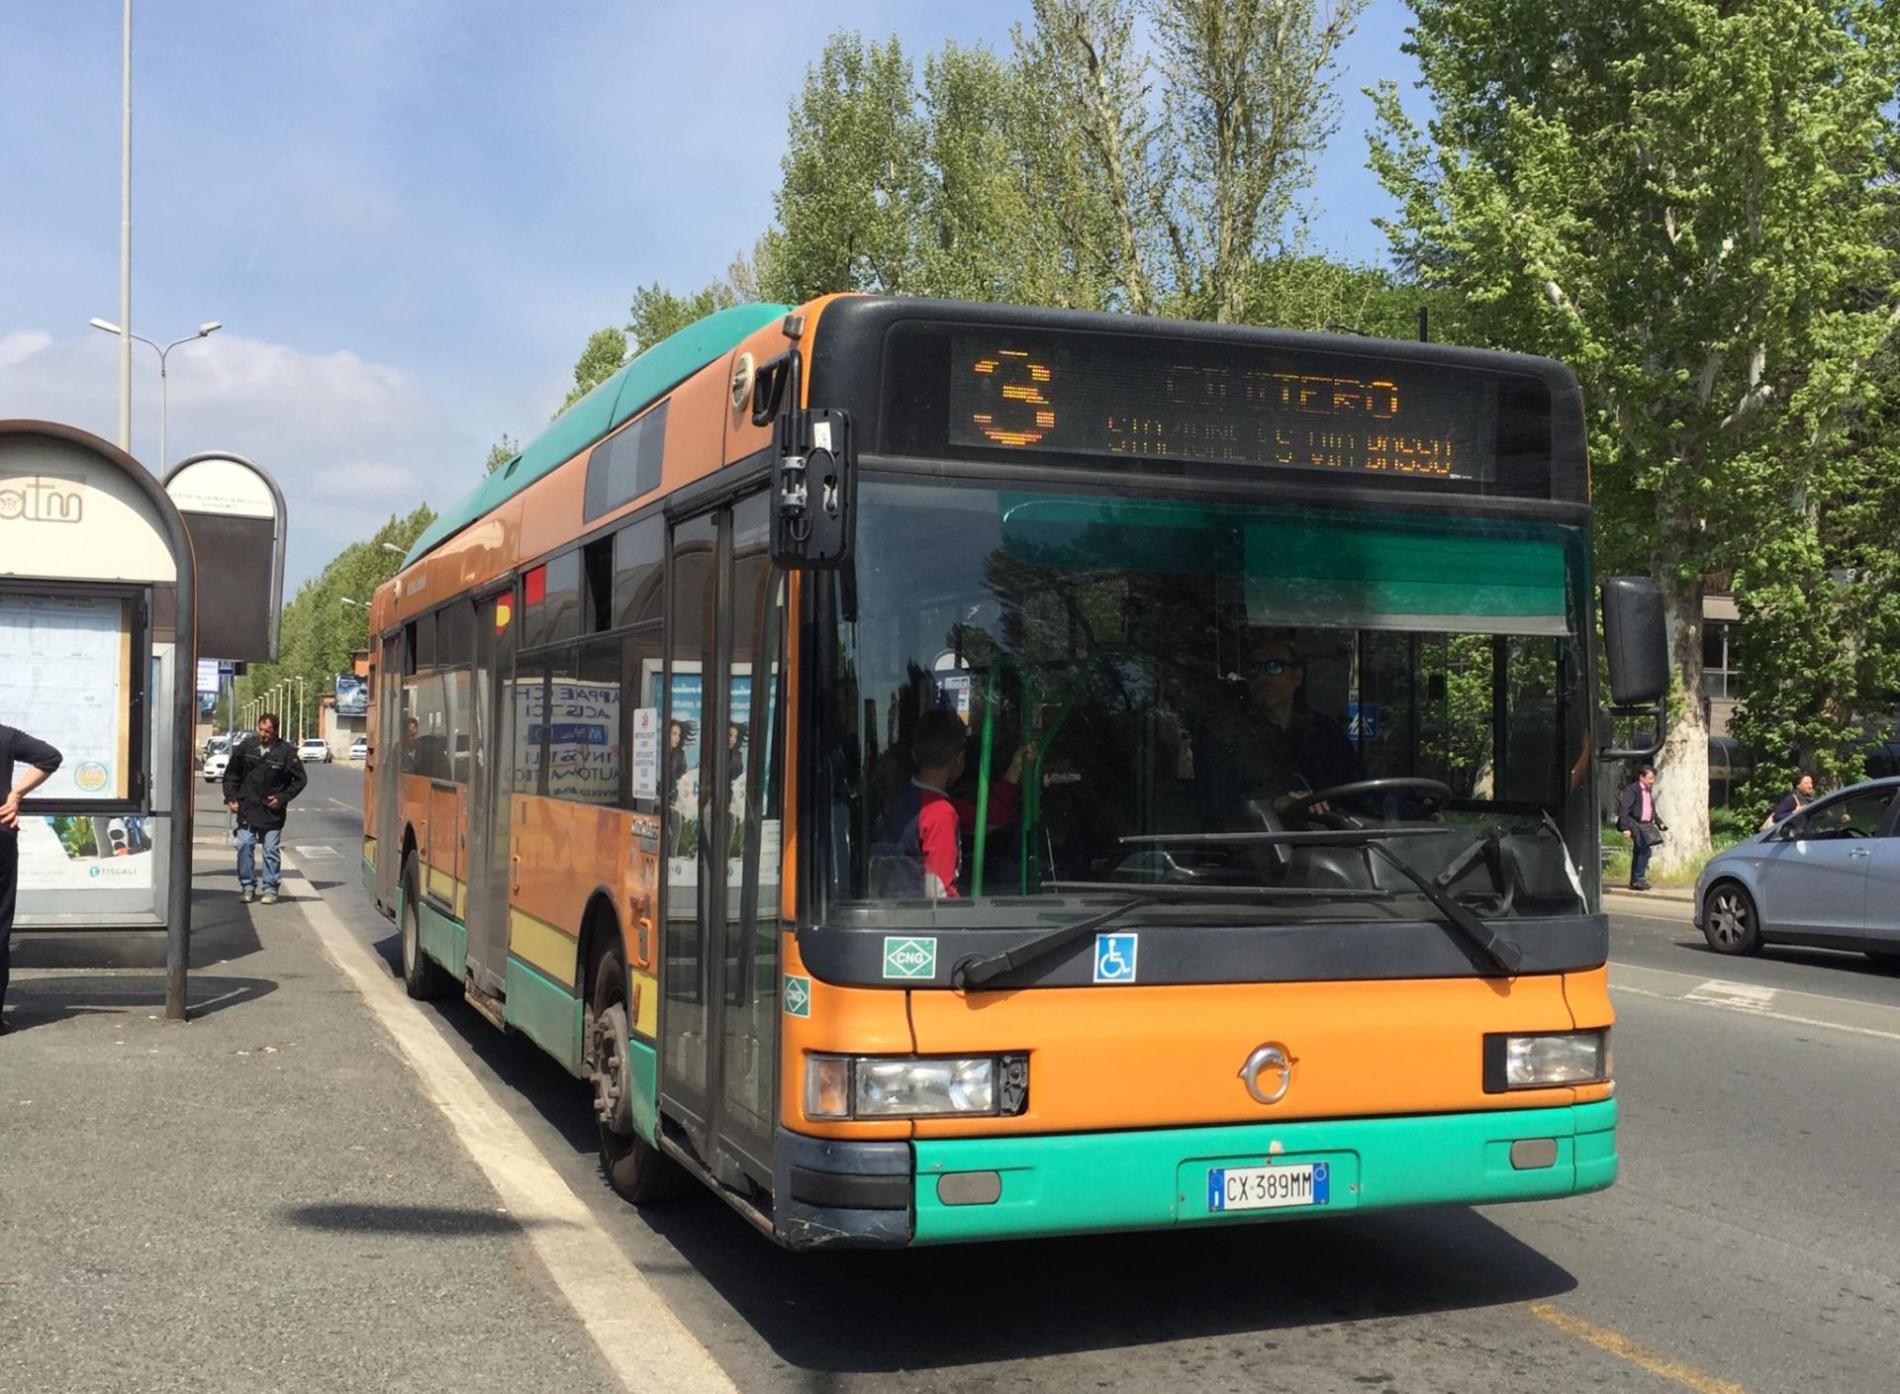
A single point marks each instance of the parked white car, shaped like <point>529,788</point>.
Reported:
<point>214,765</point>
<point>314,748</point>
<point>359,748</point>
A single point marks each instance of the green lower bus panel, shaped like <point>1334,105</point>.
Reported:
<point>643,1079</point>
<point>1075,1183</point>
<point>443,939</point>
<point>545,1012</point>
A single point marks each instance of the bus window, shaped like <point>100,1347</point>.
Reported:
<point>639,567</point>
<point>527,692</point>
<point>625,465</point>
<point>1158,669</point>
<point>551,602</point>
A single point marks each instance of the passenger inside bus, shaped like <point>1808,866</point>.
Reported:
<point>918,847</point>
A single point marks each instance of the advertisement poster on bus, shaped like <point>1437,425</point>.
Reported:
<point>352,695</point>
<point>681,746</point>
<point>581,725</point>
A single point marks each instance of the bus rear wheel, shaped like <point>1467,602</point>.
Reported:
<point>423,978</point>
<point>636,1169</point>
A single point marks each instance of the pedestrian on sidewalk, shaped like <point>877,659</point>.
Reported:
<point>40,760</point>
<point>263,777</point>
<point>1793,801</point>
<point>1636,819</point>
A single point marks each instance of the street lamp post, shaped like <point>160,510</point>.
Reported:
<point>205,330</point>
<point>301,732</point>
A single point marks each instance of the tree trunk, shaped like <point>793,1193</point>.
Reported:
<point>1682,770</point>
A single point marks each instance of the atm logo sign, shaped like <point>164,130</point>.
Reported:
<point>42,498</point>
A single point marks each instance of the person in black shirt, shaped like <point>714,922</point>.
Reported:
<point>263,777</point>
<point>40,760</point>
<point>1264,741</point>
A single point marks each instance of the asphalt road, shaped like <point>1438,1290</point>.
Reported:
<point>1750,1244</point>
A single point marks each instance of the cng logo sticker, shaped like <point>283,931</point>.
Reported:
<point>910,958</point>
<point>1115,957</point>
<point>797,995</point>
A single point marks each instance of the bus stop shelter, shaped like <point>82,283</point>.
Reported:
<point>97,630</point>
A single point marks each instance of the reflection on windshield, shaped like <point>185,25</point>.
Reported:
<point>1042,690</point>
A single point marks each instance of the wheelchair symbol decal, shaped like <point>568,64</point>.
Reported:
<point>1115,957</point>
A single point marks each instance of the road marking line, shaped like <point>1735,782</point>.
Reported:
<point>1788,1017</point>
<point>305,849</point>
<point>1751,997</point>
<point>1623,1348</point>
<point>641,1339</point>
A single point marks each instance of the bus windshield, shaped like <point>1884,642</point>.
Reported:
<point>1039,692</point>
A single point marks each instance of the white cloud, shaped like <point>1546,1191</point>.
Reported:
<point>350,441</point>
<point>22,344</point>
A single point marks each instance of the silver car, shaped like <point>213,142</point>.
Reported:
<point>1827,876</point>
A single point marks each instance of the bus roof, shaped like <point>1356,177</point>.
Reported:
<point>631,390</point>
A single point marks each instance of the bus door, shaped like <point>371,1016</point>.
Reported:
<point>720,977</point>
<point>486,913</point>
<point>384,764</point>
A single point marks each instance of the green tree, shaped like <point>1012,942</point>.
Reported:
<point>657,313</point>
<point>849,200</point>
<point>1086,168</point>
<point>1675,198</point>
<point>501,452</point>
<point>604,355</point>
<point>317,633</point>
<point>1820,600</point>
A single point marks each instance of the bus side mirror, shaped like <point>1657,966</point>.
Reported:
<point>1636,651</point>
<point>814,490</point>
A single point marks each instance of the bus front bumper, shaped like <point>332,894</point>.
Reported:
<point>944,1191</point>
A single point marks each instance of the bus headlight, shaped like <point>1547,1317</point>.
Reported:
<point>1546,1060</point>
<point>915,1086</point>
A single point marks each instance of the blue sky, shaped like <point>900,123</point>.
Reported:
<point>409,214</point>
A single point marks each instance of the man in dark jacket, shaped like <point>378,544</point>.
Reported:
<point>40,760</point>
<point>1636,819</point>
<point>264,775</point>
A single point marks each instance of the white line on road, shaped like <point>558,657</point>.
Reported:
<point>306,849</point>
<point>1849,1014</point>
<point>638,1335</point>
<point>1748,997</point>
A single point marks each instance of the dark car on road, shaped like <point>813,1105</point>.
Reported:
<point>1827,876</point>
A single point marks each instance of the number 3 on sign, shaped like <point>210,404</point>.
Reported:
<point>1017,410</point>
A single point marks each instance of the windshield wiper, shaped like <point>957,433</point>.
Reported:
<point>1502,951</point>
<point>978,970</point>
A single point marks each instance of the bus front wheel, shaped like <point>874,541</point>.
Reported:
<point>636,1169</point>
<point>423,978</point>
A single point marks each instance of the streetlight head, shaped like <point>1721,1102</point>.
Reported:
<point>106,325</point>
<point>210,326</point>
<point>392,547</point>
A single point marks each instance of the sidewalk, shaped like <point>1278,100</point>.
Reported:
<point>1664,902</point>
<point>259,1200</point>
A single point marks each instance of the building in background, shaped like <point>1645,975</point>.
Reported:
<point>343,712</point>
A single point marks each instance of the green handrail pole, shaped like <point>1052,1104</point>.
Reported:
<point>983,781</point>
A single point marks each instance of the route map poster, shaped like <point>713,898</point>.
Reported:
<point>67,679</point>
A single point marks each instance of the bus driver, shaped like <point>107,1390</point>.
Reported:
<point>1270,743</point>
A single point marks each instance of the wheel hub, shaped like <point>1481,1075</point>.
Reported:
<point>612,1104</point>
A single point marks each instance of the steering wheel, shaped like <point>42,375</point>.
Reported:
<point>1430,792</point>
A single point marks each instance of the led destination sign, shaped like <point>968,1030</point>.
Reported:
<point>1145,398</point>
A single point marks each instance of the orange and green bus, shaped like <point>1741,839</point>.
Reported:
<point>950,772</point>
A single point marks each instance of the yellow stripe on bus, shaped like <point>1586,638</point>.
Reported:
<point>539,943</point>
<point>646,1004</point>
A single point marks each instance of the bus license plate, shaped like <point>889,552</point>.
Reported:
<point>1267,1188</point>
